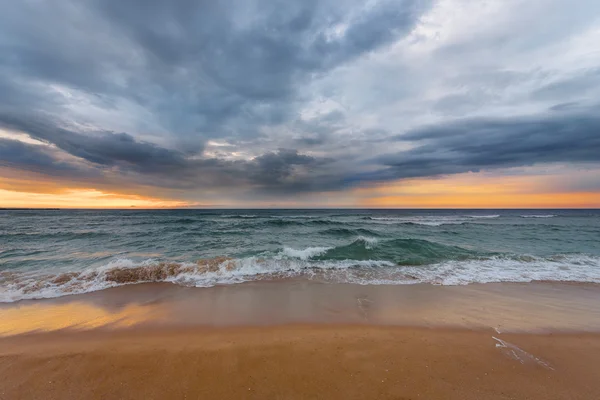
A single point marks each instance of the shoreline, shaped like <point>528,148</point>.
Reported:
<point>298,339</point>
<point>504,307</point>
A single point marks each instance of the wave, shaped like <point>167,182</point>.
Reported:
<point>15,286</point>
<point>345,232</point>
<point>56,235</point>
<point>567,268</point>
<point>538,216</point>
<point>254,216</point>
<point>420,220</point>
<point>297,216</point>
<point>432,220</point>
<point>369,242</point>
<point>396,251</point>
<point>282,222</point>
<point>305,254</point>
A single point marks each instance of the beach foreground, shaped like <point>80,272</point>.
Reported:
<point>299,362</point>
<point>295,339</point>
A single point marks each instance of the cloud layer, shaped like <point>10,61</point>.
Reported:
<point>262,100</point>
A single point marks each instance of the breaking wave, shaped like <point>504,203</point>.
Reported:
<point>305,254</point>
<point>365,260</point>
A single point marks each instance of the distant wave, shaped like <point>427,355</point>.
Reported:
<point>241,216</point>
<point>56,235</point>
<point>484,216</point>
<point>255,216</point>
<point>538,216</point>
<point>345,232</point>
<point>299,216</point>
<point>181,221</point>
<point>283,222</point>
<point>419,220</point>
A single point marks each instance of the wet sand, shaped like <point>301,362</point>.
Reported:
<point>507,307</point>
<point>297,340</point>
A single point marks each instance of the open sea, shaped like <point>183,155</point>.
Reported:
<point>51,253</point>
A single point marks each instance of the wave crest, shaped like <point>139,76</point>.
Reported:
<point>305,254</point>
<point>16,286</point>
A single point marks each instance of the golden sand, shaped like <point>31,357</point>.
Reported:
<point>302,340</point>
<point>299,362</point>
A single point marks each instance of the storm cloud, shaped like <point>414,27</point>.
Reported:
<point>472,145</point>
<point>275,98</point>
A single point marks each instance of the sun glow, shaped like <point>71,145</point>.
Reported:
<point>476,190</point>
<point>83,198</point>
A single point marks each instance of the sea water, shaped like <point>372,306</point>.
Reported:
<point>51,253</point>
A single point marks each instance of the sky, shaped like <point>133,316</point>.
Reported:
<point>272,103</point>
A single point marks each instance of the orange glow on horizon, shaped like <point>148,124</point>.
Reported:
<point>476,190</point>
<point>83,198</point>
<point>468,190</point>
<point>544,200</point>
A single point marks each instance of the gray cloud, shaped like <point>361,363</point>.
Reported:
<point>36,158</point>
<point>475,144</point>
<point>120,154</point>
<point>203,68</point>
<point>307,96</point>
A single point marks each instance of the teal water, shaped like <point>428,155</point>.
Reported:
<point>49,253</point>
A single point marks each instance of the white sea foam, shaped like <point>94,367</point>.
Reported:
<point>484,216</point>
<point>369,242</point>
<point>289,262</point>
<point>205,273</point>
<point>305,254</point>
<point>519,354</point>
<point>538,216</point>
<point>574,268</point>
<point>421,220</point>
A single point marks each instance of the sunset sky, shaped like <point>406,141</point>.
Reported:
<point>331,103</point>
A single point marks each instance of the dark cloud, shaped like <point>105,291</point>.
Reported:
<point>303,94</point>
<point>35,158</point>
<point>105,149</point>
<point>466,145</point>
<point>120,154</point>
<point>204,68</point>
<point>275,167</point>
<point>475,144</point>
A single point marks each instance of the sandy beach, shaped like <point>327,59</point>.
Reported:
<point>325,341</point>
<point>299,362</point>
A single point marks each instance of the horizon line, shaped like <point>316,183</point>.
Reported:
<point>289,208</point>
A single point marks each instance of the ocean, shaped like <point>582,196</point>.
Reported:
<point>52,253</point>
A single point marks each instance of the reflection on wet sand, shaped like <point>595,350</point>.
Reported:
<point>507,307</point>
<point>77,315</point>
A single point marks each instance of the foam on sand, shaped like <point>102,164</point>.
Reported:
<point>520,355</point>
<point>305,263</point>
